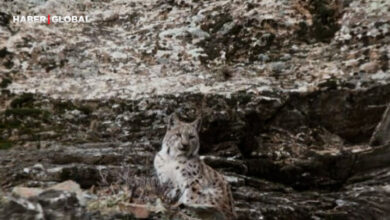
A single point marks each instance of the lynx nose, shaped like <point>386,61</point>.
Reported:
<point>184,146</point>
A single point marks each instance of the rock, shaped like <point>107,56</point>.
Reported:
<point>229,164</point>
<point>139,211</point>
<point>72,187</point>
<point>26,192</point>
<point>370,67</point>
<point>277,67</point>
<point>20,208</point>
<point>60,201</point>
<point>381,134</point>
<point>60,205</point>
<point>57,199</point>
<point>285,57</point>
<point>67,186</point>
<point>263,57</point>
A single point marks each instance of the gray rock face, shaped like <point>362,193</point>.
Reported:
<point>21,209</point>
<point>271,148</point>
<point>381,134</point>
<point>49,204</point>
<point>292,94</point>
<point>140,49</point>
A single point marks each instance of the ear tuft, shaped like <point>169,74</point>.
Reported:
<point>198,123</point>
<point>173,120</point>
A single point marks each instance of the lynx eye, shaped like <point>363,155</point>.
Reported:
<point>178,135</point>
<point>192,136</point>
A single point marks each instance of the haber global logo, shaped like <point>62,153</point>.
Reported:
<point>51,19</point>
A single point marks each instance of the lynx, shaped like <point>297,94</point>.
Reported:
<point>195,184</point>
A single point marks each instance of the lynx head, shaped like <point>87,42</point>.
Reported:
<point>182,139</point>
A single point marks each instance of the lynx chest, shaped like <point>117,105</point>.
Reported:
<point>169,169</point>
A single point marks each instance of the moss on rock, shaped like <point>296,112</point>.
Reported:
<point>4,144</point>
<point>5,82</point>
<point>26,99</point>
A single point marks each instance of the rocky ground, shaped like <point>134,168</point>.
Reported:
<point>292,96</point>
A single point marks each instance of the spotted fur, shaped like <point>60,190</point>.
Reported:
<point>196,184</point>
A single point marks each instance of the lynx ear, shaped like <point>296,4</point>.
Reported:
<point>173,120</point>
<point>197,123</point>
